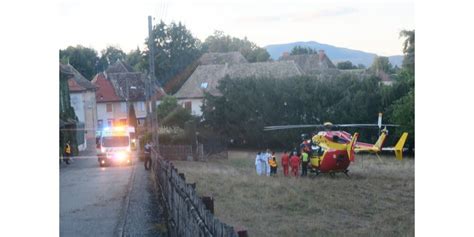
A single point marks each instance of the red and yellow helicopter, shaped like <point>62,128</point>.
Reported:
<point>333,150</point>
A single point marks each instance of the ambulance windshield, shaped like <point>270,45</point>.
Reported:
<point>115,141</point>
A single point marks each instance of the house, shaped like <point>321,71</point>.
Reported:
<point>310,63</point>
<point>206,78</point>
<point>222,58</point>
<point>67,117</point>
<point>117,86</point>
<point>82,99</point>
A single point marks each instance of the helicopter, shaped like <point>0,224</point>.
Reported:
<point>332,150</point>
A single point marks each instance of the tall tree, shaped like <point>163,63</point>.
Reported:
<point>84,59</point>
<point>221,43</point>
<point>381,64</point>
<point>136,60</point>
<point>175,49</point>
<point>409,50</point>
<point>110,55</point>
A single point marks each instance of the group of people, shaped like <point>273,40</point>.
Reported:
<point>266,163</point>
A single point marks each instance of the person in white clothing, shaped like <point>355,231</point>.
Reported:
<point>258,164</point>
<point>267,156</point>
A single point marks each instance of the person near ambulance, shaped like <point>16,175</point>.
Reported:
<point>294,163</point>
<point>268,156</point>
<point>258,163</point>
<point>285,162</point>
<point>67,152</point>
<point>273,165</point>
<point>304,162</point>
<point>148,155</point>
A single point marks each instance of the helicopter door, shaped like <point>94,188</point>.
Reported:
<point>316,156</point>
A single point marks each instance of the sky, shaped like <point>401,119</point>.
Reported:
<point>368,25</point>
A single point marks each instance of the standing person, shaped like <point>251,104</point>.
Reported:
<point>258,164</point>
<point>294,163</point>
<point>67,152</point>
<point>285,162</point>
<point>273,165</point>
<point>147,155</point>
<point>304,163</point>
<point>268,157</point>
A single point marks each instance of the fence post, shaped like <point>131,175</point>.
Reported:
<point>209,203</point>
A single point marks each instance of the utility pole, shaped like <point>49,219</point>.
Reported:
<point>151,48</point>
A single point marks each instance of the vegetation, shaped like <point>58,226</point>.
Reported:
<point>377,200</point>
<point>346,65</point>
<point>302,50</point>
<point>221,43</point>
<point>84,59</point>
<point>171,114</point>
<point>382,64</point>
<point>175,49</point>
<point>247,105</point>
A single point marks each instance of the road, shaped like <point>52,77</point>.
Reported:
<point>108,201</point>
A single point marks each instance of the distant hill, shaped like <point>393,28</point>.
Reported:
<point>336,54</point>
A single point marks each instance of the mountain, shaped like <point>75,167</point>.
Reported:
<point>336,54</point>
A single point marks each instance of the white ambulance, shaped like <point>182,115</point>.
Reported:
<point>114,146</point>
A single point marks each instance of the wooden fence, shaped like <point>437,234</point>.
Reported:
<point>188,213</point>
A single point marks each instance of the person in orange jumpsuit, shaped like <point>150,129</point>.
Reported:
<point>294,163</point>
<point>285,162</point>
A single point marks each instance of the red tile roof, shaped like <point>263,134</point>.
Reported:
<point>105,91</point>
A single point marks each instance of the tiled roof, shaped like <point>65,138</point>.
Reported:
<point>206,77</point>
<point>310,62</point>
<point>119,67</point>
<point>105,90</point>
<point>222,58</point>
<point>76,81</point>
<point>135,82</point>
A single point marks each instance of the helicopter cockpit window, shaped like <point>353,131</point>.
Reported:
<point>317,150</point>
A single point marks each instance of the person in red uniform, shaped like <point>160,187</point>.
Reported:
<point>294,163</point>
<point>285,162</point>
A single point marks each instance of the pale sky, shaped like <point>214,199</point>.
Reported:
<point>368,25</point>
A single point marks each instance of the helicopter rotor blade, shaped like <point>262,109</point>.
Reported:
<point>364,125</point>
<point>282,127</point>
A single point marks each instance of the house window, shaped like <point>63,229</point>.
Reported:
<point>99,123</point>
<point>141,106</point>
<point>110,122</point>
<point>123,107</point>
<point>109,107</point>
<point>204,85</point>
<point>188,105</point>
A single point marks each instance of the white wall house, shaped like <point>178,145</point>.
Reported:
<point>117,85</point>
<point>82,97</point>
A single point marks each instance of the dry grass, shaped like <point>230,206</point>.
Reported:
<point>377,200</point>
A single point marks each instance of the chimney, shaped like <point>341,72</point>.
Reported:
<point>321,55</point>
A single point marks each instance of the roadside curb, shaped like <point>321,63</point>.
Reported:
<point>123,221</point>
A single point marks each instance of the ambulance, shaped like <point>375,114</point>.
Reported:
<point>114,146</point>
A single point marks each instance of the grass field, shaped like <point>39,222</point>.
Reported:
<point>377,199</point>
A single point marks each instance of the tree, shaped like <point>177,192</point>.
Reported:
<point>109,56</point>
<point>175,49</point>
<point>409,50</point>
<point>302,50</point>
<point>346,65</point>
<point>83,59</point>
<point>221,43</point>
<point>136,60</point>
<point>170,113</point>
<point>381,64</point>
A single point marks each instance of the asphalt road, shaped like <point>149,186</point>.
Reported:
<point>108,201</point>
